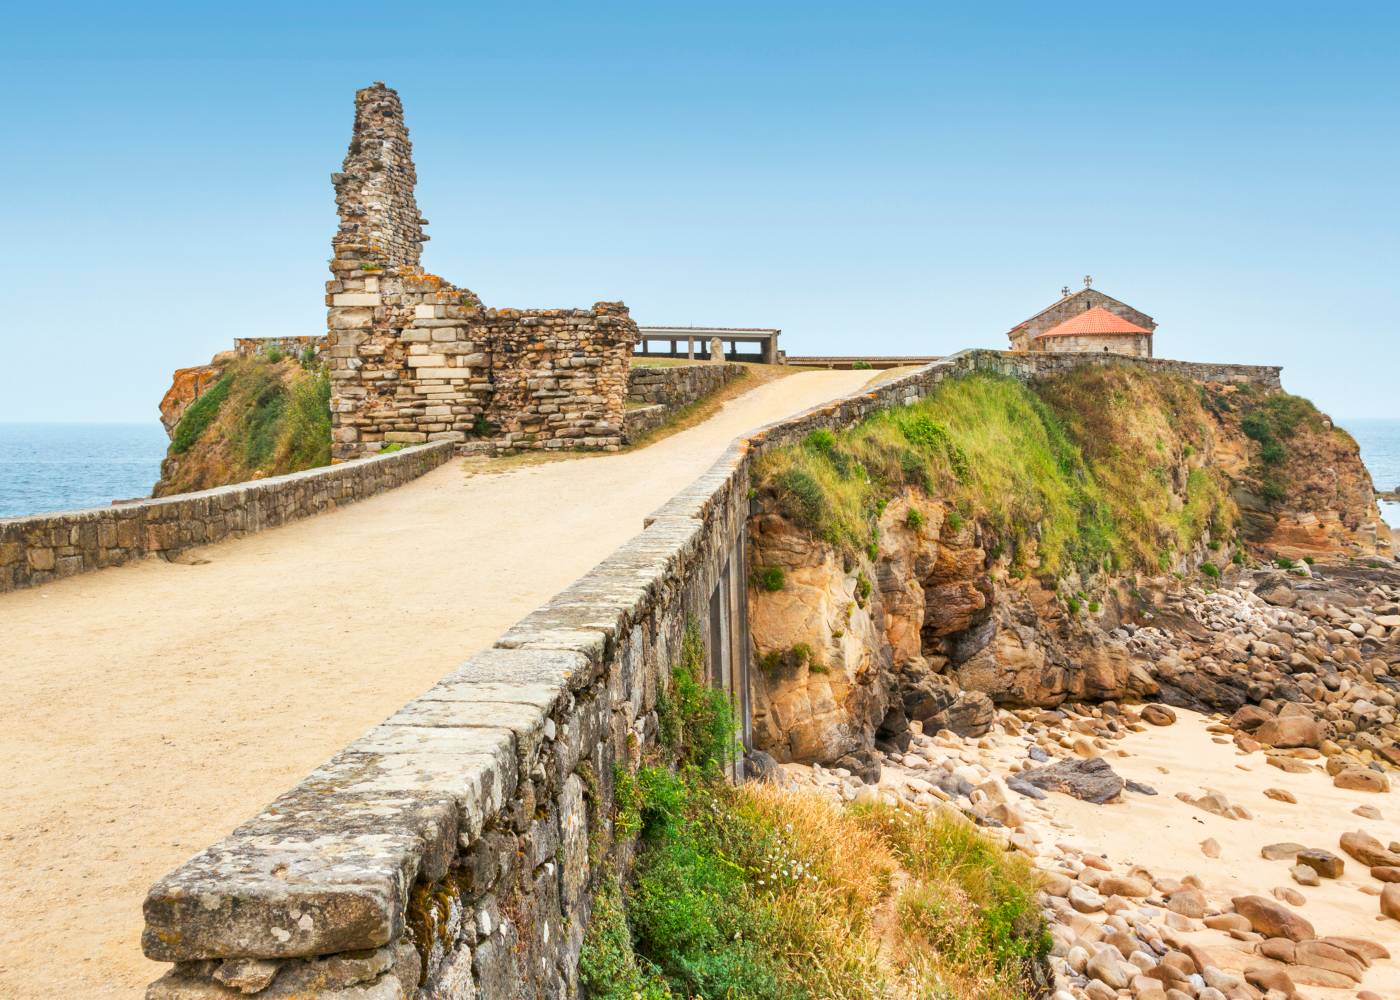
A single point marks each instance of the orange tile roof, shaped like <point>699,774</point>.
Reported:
<point>1097,320</point>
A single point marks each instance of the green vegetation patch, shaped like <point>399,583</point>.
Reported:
<point>1078,465</point>
<point>261,418</point>
<point>759,893</point>
<point>200,415</point>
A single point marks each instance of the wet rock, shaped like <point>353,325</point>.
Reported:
<point>1091,780</point>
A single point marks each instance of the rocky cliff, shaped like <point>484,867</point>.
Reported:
<point>244,417</point>
<point>1000,543</point>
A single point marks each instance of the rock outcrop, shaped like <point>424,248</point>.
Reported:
<point>939,620</point>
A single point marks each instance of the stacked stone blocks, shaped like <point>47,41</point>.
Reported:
<point>415,358</point>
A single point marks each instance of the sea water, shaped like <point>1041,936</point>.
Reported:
<point>48,467</point>
<point>1380,450</point>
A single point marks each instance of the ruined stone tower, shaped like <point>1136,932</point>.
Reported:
<point>414,358</point>
<point>379,220</point>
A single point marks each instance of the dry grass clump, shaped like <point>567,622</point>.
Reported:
<point>763,893</point>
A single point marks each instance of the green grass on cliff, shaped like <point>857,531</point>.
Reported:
<point>753,892</point>
<point>1095,466</point>
<point>262,418</point>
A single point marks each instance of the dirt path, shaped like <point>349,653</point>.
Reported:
<point>149,709</point>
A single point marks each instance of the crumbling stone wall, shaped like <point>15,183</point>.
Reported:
<point>294,347</point>
<point>44,547</point>
<point>415,358</point>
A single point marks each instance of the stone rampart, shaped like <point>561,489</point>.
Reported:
<point>1036,363</point>
<point>452,851</point>
<point>293,347</point>
<point>663,391</point>
<point>44,547</point>
<point>677,385</point>
<point>414,358</point>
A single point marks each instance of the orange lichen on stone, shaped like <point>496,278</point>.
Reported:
<point>187,385</point>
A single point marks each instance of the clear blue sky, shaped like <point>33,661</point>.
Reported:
<point>872,178</point>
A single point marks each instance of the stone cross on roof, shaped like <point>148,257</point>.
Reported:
<point>1088,281</point>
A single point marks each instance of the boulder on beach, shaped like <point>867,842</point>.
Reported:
<point>1092,780</point>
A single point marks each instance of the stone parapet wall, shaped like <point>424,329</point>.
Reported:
<point>44,547</point>
<point>453,850</point>
<point>1033,364</point>
<point>663,391</point>
<point>677,385</point>
<point>292,347</point>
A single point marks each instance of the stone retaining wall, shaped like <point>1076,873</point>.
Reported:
<point>44,547</point>
<point>452,851</point>
<point>666,390</point>
<point>1037,363</point>
<point>677,385</point>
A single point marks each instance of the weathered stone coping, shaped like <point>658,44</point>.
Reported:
<point>329,867</point>
<point>43,547</point>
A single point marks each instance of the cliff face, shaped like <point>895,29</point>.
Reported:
<point>1004,544</point>
<point>241,418</point>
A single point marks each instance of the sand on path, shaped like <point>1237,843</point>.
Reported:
<point>149,709</point>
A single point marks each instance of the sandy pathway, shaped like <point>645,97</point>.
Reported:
<point>148,710</point>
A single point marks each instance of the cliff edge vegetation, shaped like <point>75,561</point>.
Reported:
<point>246,418</point>
<point>998,541</point>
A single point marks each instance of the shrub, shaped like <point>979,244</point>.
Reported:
<point>1211,570</point>
<point>274,354</point>
<point>862,366</point>
<point>914,520</point>
<point>770,578</point>
<point>392,447</point>
<point>1284,563</point>
<point>1073,605</point>
<point>863,588</point>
